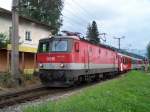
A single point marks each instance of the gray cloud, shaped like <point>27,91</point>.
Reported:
<point>115,17</point>
<point>6,4</point>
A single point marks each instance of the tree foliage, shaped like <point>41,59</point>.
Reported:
<point>46,11</point>
<point>3,40</point>
<point>148,50</point>
<point>93,33</point>
<point>89,32</point>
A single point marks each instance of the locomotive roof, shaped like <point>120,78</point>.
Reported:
<point>72,37</point>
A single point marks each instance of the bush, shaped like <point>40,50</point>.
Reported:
<point>6,80</point>
<point>3,40</point>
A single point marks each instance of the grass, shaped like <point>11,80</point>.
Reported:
<point>130,93</point>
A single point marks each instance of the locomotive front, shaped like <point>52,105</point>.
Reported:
<point>54,58</point>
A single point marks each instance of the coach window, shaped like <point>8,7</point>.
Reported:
<point>124,60</point>
<point>132,61</point>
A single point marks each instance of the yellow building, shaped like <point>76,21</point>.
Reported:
<point>30,31</point>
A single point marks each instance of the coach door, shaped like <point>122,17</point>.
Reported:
<point>121,63</point>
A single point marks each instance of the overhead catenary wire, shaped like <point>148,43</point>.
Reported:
<point>88,13</point>
<point>79,18</point>
<point>72,29</point>
<point>83,9</point>
<point>76,14</point>
<point>72,25</point>
<point>73,21</point>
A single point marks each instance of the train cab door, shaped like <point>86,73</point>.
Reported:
<point>86,59</point>
<point>121,63</point>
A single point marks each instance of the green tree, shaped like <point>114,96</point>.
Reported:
<point>148,50</point>
<point>3,40</point>
<point>46,11</point>
<point>93,33</point>
<point>89,32</point>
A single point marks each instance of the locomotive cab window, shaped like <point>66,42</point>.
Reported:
<point>44,47</point>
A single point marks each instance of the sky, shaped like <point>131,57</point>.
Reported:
<point>117,18</point>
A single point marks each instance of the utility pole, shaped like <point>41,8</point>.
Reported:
<point>119,40</point>
<point>15,43</point>
<point>104,36</point>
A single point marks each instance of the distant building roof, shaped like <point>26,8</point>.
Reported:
<point>4,11</point>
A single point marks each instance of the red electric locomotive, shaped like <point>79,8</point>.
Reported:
<point>65,60</point>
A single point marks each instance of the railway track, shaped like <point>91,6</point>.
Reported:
<point>21,96</point>
<point>36,92</point>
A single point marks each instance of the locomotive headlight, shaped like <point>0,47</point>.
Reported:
<point>41,65</point>
<point>62,65</point>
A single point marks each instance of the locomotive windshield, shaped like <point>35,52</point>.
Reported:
<point>59,45</point>
<point>55,45</point>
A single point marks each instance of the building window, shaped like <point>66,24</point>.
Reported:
<point>10,32</point>
<point>28,36</point>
